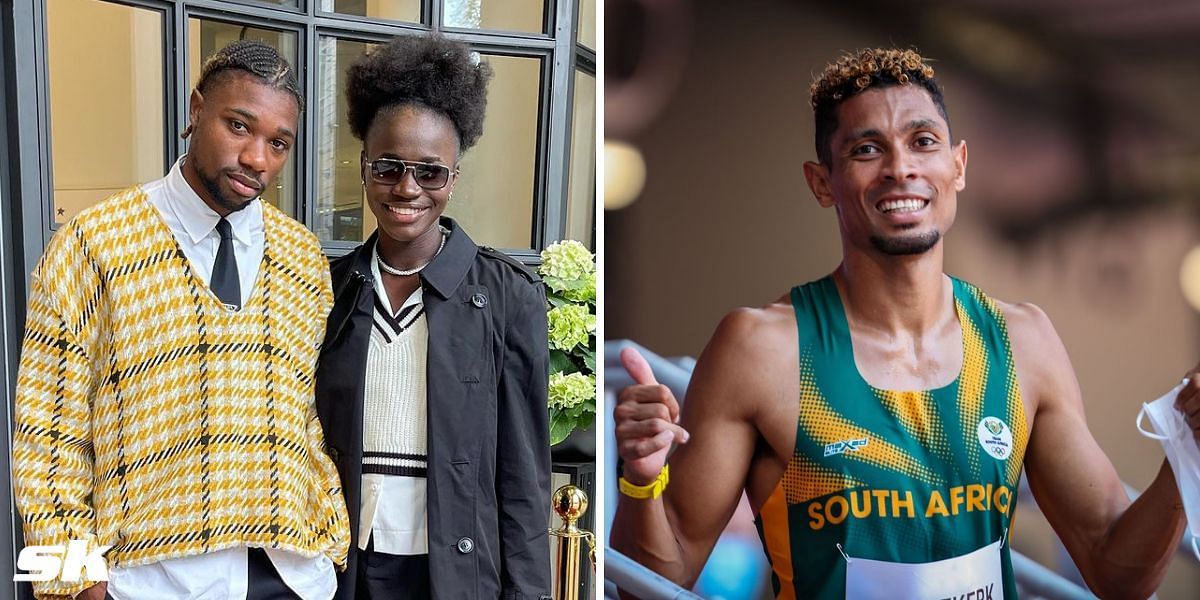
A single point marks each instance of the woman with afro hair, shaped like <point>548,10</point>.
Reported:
<point>431,386</point>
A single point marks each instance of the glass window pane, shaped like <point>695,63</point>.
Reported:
<point>494,204</point>
<point>106,115</point>
<point>396,10</point>
<point>493,198</point>
<point>205,37</point>
<point>287,3</point>
<point>581,186</point>
<point>503,15</point>
<point>586,34</point>
<point>340,211</point>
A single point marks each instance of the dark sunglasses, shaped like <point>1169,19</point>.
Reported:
<point>390,171</point>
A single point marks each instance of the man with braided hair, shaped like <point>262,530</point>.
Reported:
<point>879,418</point>
<point>164,410</point>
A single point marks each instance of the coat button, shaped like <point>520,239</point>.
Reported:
<point>466,545</point>
<point>479,300</point>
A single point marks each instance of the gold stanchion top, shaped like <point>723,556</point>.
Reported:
<point>570,503</point>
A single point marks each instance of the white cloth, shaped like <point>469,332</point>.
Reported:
<point>221,574</point>
<point>1183,452</point>
<point>393,511</point>
<point>976,575</point>
<point>394,514</point>
<point>194,225</point>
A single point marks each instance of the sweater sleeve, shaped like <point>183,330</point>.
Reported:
<point>335,530</point>
<point>52,458</point>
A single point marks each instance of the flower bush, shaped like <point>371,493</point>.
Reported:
<point>569,272</point>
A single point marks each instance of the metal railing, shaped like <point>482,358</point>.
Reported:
<point>639,581</point>
<point>1035,579</point>
<point>1032,578</point>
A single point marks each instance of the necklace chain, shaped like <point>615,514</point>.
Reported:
<point>403,272</point>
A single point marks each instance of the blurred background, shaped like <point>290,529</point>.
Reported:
<point>1083,188</point>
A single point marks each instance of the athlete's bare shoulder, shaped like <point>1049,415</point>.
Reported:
<point>751,356</point>
<point>754,334</point>
<point>1044,370</point>
<point>745,325</point>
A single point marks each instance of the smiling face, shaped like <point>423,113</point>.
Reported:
<point>242,133</point>
<point>406,212</point>
<point>894,173</point>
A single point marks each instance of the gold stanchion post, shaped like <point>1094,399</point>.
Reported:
<point>570,503</point>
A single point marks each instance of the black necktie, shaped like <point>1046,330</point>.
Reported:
<point>224,282</point>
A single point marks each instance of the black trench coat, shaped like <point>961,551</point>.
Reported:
<point>488,437</point>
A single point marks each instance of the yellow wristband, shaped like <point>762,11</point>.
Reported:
<point>651,490</point>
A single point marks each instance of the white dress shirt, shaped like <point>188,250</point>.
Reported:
<point>194,225</point>
<point>217,575</point>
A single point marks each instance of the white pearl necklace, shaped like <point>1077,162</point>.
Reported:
<point>402,272</point>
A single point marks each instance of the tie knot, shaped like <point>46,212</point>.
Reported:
<point>224,229</point>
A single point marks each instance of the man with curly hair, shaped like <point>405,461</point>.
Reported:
<point>879,418</point>
<point>164,412</point>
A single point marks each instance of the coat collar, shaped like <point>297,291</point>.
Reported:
<point>446,272</point>
<point>449,268</point>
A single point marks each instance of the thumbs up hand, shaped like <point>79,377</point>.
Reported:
<point>647,416</point>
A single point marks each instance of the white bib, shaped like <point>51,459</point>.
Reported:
<point>973,576</point>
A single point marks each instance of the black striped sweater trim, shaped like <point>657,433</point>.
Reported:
<point>391,327</point>
<point>396,463</point>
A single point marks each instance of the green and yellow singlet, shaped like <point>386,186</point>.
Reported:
<point>897,494</point>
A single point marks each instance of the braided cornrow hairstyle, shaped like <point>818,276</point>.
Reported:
<point>855,73</point>
<point>423,70</point>
<point>255,57</point>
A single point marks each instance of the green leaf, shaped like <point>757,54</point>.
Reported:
<point>561,362</point>
<point>561,426</point>
<point>585,420</point>
<point>589,358</point>
<point>556,300</point>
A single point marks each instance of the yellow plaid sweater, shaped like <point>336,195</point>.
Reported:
<point>152,419</point>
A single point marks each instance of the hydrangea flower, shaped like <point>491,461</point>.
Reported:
<point>566,265</point>
<point>585,293</point>
<point>569,326</point>
<point>567,391</point>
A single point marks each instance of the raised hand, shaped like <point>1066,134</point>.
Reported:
<point>647,417</point>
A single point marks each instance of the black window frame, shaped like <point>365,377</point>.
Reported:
<point>556,46</point>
